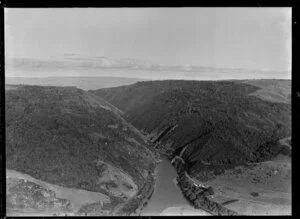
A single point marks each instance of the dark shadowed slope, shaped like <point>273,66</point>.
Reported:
<point>68,137</point>
<point>218,121</point>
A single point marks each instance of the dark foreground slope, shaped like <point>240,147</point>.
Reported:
<point>68,137</point>
<point>220,122</point>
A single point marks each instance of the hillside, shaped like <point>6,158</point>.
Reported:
<point>272,90</point>
<point>70,138</point>
<point>220,122</point>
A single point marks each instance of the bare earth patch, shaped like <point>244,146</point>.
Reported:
<point>116,182</point>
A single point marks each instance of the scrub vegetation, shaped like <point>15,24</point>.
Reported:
<point>221,122</point>
<point>61,135</point>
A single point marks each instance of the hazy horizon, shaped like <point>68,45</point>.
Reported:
<point>231,38</point>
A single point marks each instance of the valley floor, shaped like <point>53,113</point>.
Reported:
<point>260,189</point>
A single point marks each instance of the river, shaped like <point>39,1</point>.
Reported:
<point>167,198</point>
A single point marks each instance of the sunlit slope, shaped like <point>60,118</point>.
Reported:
<point>220,122</point>
<point>272,90</point>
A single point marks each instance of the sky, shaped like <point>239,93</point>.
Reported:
<point>252,38</point>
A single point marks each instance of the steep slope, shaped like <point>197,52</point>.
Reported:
<point>70,138</point>
<point>220,122</point>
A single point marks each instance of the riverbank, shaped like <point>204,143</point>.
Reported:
<point>135,205</point>
<point>183,211</point>
<point>196,194</point>
<point>167,195</point>
<point>148,196</point>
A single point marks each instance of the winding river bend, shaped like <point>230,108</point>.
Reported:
<point>167,198</point>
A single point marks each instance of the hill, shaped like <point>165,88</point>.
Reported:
<point>70,138</point>
<point>272,90</point>
<point>221,122</point>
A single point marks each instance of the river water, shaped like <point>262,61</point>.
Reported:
<point>167,195</point>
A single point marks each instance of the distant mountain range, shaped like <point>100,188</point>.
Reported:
<point>74,61</point>
<point>85,83</point>
<point>78,61</point>
<point>77,65</point>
